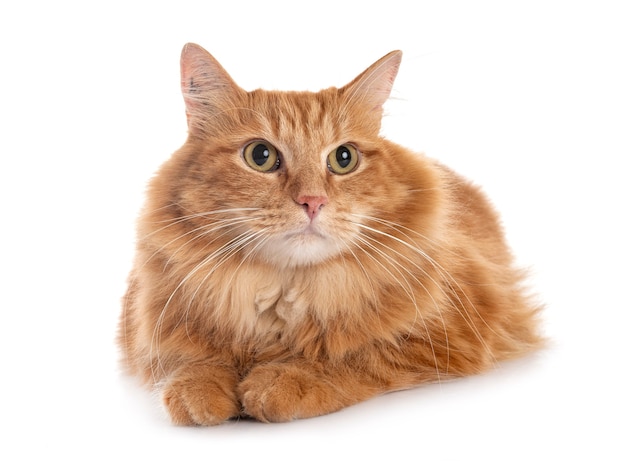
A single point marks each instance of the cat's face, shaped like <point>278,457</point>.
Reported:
<point>291,178</point>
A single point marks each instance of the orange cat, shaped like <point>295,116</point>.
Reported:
<point>291,262</point>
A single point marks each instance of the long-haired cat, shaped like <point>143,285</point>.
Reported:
<point>291,261</point>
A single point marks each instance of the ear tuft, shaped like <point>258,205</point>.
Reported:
<point>373,86</point>
<point>205,85</point>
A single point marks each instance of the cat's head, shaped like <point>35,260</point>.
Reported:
<point>292,178</point>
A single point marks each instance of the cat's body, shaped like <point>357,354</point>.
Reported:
<point>291,262</point>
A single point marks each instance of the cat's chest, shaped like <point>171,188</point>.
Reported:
<point>284,301</point>
<point>260,301</point>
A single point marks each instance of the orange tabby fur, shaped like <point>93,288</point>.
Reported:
<point>241,303</point>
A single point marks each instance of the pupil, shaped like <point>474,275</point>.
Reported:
<point>260,154</point>
<point>343,157</point>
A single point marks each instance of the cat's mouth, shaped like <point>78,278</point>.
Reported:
<point>308,232</point>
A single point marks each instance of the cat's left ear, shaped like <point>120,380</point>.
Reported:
<point>372,87</point>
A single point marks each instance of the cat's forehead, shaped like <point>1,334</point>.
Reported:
<point>312,118</point>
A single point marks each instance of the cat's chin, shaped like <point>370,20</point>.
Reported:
<point>299,249</point>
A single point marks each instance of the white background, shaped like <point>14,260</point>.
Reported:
<point>526,98</point>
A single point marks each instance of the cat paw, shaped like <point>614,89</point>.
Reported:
<point>199,400</point>
<point>278,393</point>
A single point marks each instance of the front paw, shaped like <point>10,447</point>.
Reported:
<point>281,392</point>
<point>201,397</point>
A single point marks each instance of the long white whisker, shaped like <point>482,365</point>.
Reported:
<point>206,230</point>
<point>227,252</point>
<point>446,277</point>
<point>201,230</point>
<point>180,219</point>
<point>225,249</point>
<point>406,287</point>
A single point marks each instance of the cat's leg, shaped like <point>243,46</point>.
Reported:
<point>202,393</point>
<point>277,392</point>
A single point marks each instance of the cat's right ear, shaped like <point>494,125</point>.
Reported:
<point>206,86</point>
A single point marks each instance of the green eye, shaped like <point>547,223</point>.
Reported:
<point>344,159</point>
<point>261,156</point>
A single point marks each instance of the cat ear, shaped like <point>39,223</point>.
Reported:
<point>206,86</point>
<point>373,86</point>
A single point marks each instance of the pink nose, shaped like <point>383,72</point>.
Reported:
<point>312,204</point>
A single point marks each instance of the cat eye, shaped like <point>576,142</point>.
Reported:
<point>343,160</point>
<point>261,156</point>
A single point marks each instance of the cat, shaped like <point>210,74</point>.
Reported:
<point>291,262</point>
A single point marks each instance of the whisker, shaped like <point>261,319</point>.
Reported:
<point>180,219</point>
<point>406,288</point>
<point>201,230</point>
<point>365,272</point>
<point>207,230</point>
<point>224,253</point>
<point>447,278</point>
<point>228,251</point>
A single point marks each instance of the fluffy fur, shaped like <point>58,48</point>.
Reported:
<point>296,292</point>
